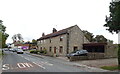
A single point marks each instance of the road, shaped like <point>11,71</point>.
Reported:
<point>13,62</point>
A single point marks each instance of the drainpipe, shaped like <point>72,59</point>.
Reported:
<point>67,43</point>
<point>83,41</point>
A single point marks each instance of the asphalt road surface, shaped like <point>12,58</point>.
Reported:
<point>13,62</point>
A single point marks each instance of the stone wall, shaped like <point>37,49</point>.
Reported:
<point>90,56</point>
<point>111,51</point>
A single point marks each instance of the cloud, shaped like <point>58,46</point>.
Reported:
<point>33,17</point>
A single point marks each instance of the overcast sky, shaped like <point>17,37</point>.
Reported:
<point>33,17</point>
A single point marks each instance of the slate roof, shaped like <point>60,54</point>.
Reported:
<point>61,32</point>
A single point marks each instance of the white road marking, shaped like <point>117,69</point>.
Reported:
<point>28,64</point>
<point>5,67</point>
<point>28,59</point>
<point>24,65</point>
<point>21,65</point>
<point>48,64</point>
<point>39,65</point>
<point>24,57</point>
<point>45,63</point>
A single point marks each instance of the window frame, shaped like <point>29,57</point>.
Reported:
<point>61,38</point>
<point>61,49</point>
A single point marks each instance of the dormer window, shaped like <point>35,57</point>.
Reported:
<point>61,38</point>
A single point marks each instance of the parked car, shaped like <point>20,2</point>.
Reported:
<point>5,49</point>
<point>20,51</point>
<point>78,53</point>
<point>15,49</point>
<point>10,49</point>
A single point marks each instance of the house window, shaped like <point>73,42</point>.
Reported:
<point>40,48</point>
<point>44,48</point>
<point>50,49</point>
<point>61,49</point>
<point>50,40</point>
<point>61,38</point>
<point>41,41</point>
<point>38,42</point>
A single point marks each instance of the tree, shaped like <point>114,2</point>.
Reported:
<point>110,41</point>
<point>4,38</point>
<point>2,27</point>
<point>3,35</point>
<point>100,39</point>
<point>88,35</point>
<point>113,22</point>
<point>34,42</point>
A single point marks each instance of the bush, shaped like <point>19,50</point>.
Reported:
<point>38,51</point>
<point>41,51</point>
<point>32,51</point>
<point>45,51</point>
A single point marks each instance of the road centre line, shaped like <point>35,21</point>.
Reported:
<point>33,62</point>
<point>24,57</point>
<point>39,65</point>
<point>41,62</point>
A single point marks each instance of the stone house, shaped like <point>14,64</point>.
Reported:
<point>60,43</point>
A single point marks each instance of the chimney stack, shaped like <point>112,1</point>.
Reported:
<point>54,30</point>
<point>43,34</point>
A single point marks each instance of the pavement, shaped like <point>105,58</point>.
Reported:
<point>90,64</point>
<point>95,63</point>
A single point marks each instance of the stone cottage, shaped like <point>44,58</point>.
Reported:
<point>60,43</point>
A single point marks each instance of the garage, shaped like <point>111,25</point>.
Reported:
<point>95,47</point>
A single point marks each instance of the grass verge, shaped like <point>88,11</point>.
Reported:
<point>110,67</point>
<point>1,54</point>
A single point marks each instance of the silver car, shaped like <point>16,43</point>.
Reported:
<point>78,53</point>
<point>20,51</point>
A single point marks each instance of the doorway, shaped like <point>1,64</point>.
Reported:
<point>75,48</point>
<point>54,49</point>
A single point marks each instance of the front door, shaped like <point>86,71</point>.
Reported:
<point>54,49</point>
